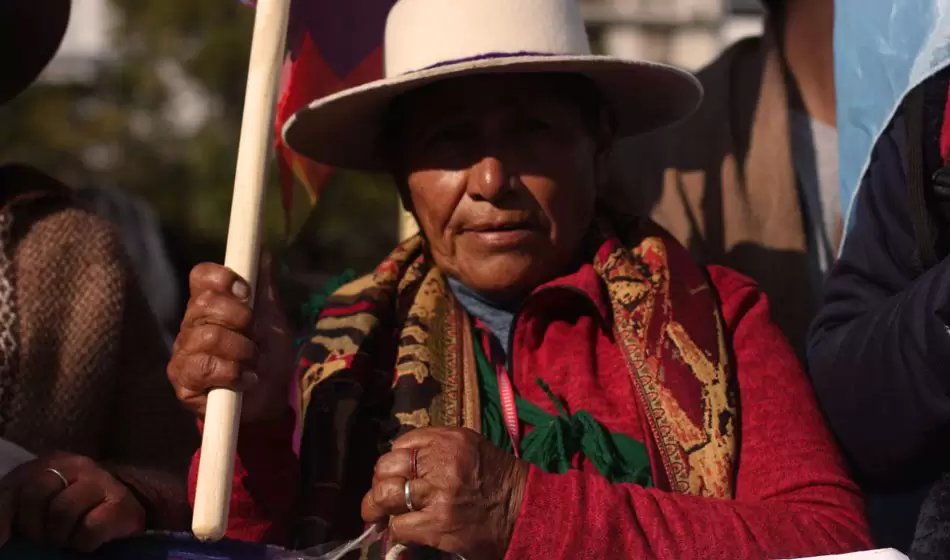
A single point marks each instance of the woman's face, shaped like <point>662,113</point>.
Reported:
<point>501,173</point>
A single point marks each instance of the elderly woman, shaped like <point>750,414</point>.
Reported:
<point>532,376</point>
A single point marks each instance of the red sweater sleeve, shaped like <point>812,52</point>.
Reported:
<point>266,482</point>
<point>793,498</point>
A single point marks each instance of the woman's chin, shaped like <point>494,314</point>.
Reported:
<point>505,277</point>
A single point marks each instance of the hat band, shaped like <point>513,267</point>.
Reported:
<point>485,56</point>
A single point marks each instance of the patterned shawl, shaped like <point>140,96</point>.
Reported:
<point>391,352</point>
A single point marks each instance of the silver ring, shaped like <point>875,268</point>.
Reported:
<point>408,492</point>
<point>59,475</point>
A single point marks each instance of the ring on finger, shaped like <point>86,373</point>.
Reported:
<point>407,491</point>
<point>62,478</point>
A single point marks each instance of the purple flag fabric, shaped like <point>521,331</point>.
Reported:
<point>333,45</point>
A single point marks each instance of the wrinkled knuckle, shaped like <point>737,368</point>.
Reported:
<point>209,336</point>
<point>203,274</point>
<point>367,506</point>
<point>197,274</point>
<point>172,370</point>
<point>225,371</point>
<point>382,492</point>
<point>202,302</point>
<point>207,367</point>
<point>178,372</point>
<point>181,393</point>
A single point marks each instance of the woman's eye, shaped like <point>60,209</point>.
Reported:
<point>448,135</point>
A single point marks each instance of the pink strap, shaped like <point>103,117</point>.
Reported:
<point>509,408</point>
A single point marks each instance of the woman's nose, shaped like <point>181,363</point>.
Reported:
<point>489,180</point>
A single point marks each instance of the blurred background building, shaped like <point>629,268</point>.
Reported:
<point>686,33</point>
<point>146,96</point>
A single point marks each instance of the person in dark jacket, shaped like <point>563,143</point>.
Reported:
<point>879,349</point>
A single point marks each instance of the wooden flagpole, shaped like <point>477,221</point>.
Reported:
<point>222,417</point>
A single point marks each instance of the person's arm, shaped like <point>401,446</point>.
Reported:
<point>85,323</point>
<point>266,483</point>
<point>879,349</point>
<point>149,437</point>
<point>793,498</point>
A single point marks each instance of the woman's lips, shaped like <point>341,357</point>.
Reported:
<point>502,236</point>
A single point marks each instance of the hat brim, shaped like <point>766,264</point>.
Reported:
<point>30,34</point>
<point>343,130</point>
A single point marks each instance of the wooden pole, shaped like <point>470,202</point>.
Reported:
<point>222,417</point>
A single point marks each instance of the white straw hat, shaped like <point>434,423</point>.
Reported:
<point>432,40</point>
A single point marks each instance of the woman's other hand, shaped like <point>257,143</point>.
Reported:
<point>465,492</point>
<point>222,344</point>
<point>69,501</point>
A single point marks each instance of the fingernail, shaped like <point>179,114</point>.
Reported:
<point>240,289</point>
<point>250,378</point>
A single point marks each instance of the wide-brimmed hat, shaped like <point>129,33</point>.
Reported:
<point>30,34</point>
<point>427,41</point>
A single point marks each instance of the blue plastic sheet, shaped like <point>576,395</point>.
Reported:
<point>883,49</point>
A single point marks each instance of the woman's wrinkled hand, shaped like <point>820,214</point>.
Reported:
<point>222,344</point>
<point>84,509</point>
<point>466,493</point>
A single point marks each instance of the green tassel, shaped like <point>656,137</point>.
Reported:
<point>555,440</point>
<point>314,305</point>
<point>317,301</point>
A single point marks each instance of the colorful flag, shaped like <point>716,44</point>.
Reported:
<point>332,45</point>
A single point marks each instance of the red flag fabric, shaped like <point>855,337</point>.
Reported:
<point>332,45</point>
